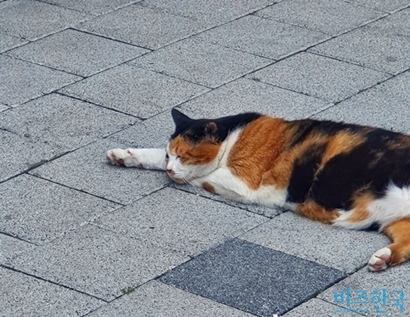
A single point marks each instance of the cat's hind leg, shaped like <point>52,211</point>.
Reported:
<point>398,251</point>
<point>141,158</point>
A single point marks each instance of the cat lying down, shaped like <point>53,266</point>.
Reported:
<point>341,174</point>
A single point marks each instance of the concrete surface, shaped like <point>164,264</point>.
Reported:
<point>79,237</point>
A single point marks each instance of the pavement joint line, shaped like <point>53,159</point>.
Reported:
<point>58,92</point>
<point>5,266</point>
<point>78,190</point>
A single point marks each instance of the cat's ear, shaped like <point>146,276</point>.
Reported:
<point>211,130</point>
<point>179,118</point>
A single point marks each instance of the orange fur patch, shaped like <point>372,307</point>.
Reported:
<point>190,154</point>
<point>256,150</point>
<point>360,212</point>
<point>399,233</point>
<point>342,142</point>
<point>315,212</point>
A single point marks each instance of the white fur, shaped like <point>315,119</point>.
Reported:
<point>376,257</point>
<point>393,206</point>
<point>146,158</point>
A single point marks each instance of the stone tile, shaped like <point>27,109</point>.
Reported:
<point>20,154</point>
<point>335,16</point>
<point>343,249</point>
<point>31,20</point>
<point>142,26</point>
<point>252,278</point>
<point>250,94</point>
<point>39,211</point>
<point>381,45</point>
<point>97,262</point>
<point>22,295</point>
<point>263,37</point>
<point>134,90</point>
<point>3,107</point>
<point>21,81</point>
<point>87,170</point>
<point>316,307</point>
<point>95,7</point>
<point>158,299</point>
<point>151,133</point>
<point>209,13</point>
<point>320,77</point>
<point>382,5</point>
<point>11,247</point>
<point>393,279</point>
<point>8,42</point>
<point>76,52</point>
<point>385,106</point>
<point>62,122</point>
<point>201,62</point>
<point>179,221</point>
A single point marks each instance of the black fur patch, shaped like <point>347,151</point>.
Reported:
<point>195,130</point>
<point>370,166</point>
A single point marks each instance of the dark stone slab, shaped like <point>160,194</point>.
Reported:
<point>253,278</point>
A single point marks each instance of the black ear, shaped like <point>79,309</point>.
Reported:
<point>211,129</point>
<point>180,119</point>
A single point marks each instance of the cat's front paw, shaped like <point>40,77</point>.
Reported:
<point>122,157</point>
<point>380,260</point>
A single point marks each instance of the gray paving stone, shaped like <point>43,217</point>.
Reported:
<point>20,154</point>
<point>158,299</point>
<point>335,16</point>
<point>11,247</point>
<point>201,62</point>
<point>63,122</point>
<point>382,5</point>
<point>250,94</point>
<point>22,295</point>
<point>142,26</point>
<point>263,37</point>
<point>320,77</point>
<point>385,106</point>
<point>86,169</point>
<point>39,211</point>
<point>21,81</point>
<point>393,279</point>
<point>315,307</point>
<point>77,52</point>
<point>151,133</point>
<point>97,262</point>
<point>252,278</point>
<point>134,90</point>
<point>31,20</point>
<point>3,107</point>
<point>381,45</point>
<point>180,221</point>
<point>8,42</point>
<point>343,249</point>
<point>94,7</point>
<point>209,13</point>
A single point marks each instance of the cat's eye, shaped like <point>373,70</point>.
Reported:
<point>166,156</point>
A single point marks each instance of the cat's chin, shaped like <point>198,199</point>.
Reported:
<point>177,180</point>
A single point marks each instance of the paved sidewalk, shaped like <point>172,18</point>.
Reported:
<point>81,238</point>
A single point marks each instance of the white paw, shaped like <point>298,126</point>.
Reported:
<point>379,260</point>
<point>122,157</point>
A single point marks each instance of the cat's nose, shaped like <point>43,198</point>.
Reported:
<point>170,172</point>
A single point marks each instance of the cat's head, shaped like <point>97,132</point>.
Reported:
<point>194,147</point>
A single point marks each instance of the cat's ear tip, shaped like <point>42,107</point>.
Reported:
<point>211,128</point>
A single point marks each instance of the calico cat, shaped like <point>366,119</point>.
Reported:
<point>342,174</point>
